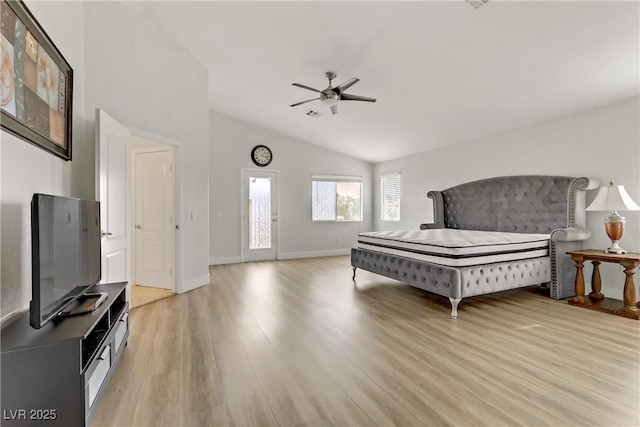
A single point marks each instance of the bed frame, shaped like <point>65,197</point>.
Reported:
<point>519,204</point>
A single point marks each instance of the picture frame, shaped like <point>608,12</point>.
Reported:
<point>36,82</point>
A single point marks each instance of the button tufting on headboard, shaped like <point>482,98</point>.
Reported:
<point>522,204</point>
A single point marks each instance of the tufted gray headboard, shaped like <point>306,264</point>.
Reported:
<point>516,204</point>
<point>521,204</point>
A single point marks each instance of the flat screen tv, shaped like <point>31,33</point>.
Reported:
<point>65,249</point>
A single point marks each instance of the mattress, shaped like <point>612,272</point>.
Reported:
<point>457,248</point>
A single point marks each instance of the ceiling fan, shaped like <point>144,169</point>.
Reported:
<point>332,95</point>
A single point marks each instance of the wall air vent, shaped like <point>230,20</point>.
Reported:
<point>314,114</point>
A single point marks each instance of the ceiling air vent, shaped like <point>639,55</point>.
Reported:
<point>477,3</point>
<point>313,114</point>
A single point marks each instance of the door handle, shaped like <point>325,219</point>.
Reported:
<point>104,234</point>
<point>138,226</point>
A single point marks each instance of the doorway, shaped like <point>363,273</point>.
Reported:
<point>115,190</point>
<point>154,222</point>
<point>259,215</point>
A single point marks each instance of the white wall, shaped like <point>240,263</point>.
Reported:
<point>26,169</point>
<point>295,160</point>
<point>143,79</point>
<point>602,143</point>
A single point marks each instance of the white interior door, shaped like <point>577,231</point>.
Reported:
<point>154,217</point>
<point>113,189</point>
<point>260,215</point>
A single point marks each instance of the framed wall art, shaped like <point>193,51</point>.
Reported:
<point>36,82</point>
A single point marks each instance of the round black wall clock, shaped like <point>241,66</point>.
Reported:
<point>261,155</point>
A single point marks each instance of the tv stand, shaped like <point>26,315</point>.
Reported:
<point>55,375</point>
<point>82,307</point>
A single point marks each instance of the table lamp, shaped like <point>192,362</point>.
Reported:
<point>613,198</point>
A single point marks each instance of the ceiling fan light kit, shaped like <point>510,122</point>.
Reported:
<point>332,96</point>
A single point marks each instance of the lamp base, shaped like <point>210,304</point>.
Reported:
<point>620,252</point>
<point>615,249</point>
<point>614,226</point>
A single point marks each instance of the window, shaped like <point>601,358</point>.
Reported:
<point>390,186</point>
<point>336,198</point>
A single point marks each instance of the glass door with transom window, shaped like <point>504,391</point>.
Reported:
<point>260,215</point>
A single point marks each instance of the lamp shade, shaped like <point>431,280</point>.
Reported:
<point>613,198</point>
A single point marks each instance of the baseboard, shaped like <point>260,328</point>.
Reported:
<point>194,283</point>
<point>284,255</point>
<point>225,260</point>
<point>314,254</point>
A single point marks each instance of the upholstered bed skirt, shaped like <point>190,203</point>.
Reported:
<point>455,282</point>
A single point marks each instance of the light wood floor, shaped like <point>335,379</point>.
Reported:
<point>295,343</point>
<point>141,295</point>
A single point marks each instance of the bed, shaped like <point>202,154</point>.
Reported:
<point>487,236</point>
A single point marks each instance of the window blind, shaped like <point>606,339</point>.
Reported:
<point>390,186</point>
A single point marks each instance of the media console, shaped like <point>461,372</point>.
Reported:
<point>55,375</point>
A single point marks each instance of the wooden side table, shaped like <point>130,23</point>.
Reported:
<point>629,307</point>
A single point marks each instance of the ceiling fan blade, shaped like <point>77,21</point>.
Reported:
<point>334,109</point>
<point>305,87</point>
<point>346,85</point>
<point>303,102</point>
<point>347,97</point>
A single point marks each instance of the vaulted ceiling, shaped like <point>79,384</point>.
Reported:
<point>443,72</point>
